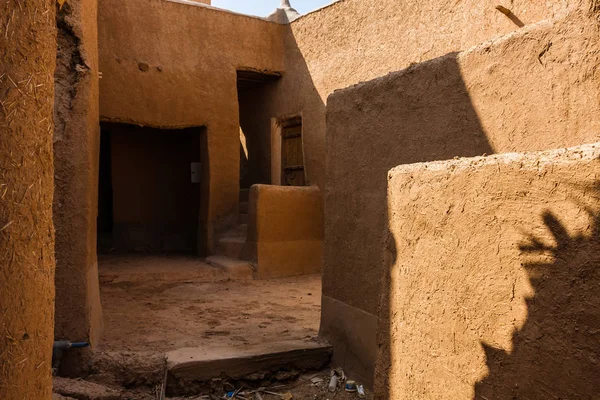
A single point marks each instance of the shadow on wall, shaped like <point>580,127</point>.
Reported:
<point>557,352</point>
<point>465,273</point>
<point>420,114</point>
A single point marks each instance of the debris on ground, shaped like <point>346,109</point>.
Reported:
<point>333,383</point>
<point>361,391</point>
<point>351,386</point>
<point>313,386</point>
<point>307,387</point>
<point>316,380</point>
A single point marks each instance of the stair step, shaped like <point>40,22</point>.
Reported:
<point>243,207</point>
<point>243,219</point>
<point>232,247</point>
<point>203,364</point>
<point>240,230</point>
<point>244,194</point>
<point>234,268</point>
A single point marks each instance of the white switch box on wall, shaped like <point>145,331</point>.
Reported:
<point>196,172</point>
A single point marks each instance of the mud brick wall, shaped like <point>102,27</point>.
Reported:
<point>492,288</point>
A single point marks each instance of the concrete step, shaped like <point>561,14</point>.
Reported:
<point>243,219</point>
<point>243,207</point>
<point>231,267</point>
<point>240,230</point>
<point>203,364</point>
<point>232,247</point>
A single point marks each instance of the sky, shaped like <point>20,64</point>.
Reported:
<point>262,8</point>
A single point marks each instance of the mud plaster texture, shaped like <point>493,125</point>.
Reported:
<point>493,277</point>
<point>76,146</point>
<point>504,95</point>
<point>354,41</point>
<point>27,58</point>
<point>285,230</point>
<point>171,65</point>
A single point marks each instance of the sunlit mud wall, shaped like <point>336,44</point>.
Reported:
<point>172,65</point>
<point>494,265</point>
<point>535,89</point>
<point>354,41</point>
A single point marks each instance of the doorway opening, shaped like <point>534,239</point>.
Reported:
<point>150,189</point>
<point>254,91</point>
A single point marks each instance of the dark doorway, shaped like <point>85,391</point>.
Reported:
<point>254,88</point>
<point>150,189</point>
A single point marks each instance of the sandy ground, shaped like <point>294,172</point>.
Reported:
<point>160,303</point>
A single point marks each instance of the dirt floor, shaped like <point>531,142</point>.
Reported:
<point>155,304</point>
<point>160,303</point>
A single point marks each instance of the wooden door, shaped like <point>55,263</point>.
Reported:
<point>292,156</point>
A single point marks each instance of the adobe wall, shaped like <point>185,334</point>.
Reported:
<point>353,41</point>
<point>27,61</point>
<point>493,265</point>
<point>172,65</point>
<point>76,146</point>
<point>498,97</point>
<point>285,230</point>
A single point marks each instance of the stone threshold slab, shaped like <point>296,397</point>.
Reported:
<point>203,364</point>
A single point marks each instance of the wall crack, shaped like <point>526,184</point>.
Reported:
<point>71,68</point>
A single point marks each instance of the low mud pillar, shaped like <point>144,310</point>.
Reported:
<point>285,230</point>
<point>27,60</point>
<point>76,154</point>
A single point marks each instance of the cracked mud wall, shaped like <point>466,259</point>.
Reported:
<point>76,146</point>
<point>27,61</point>
<point>539,88</point>
<point>494,274</point>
